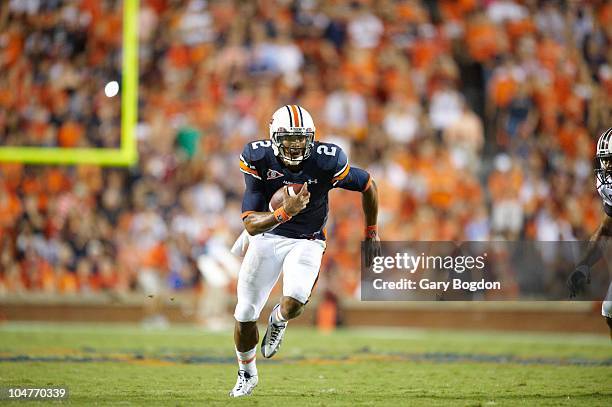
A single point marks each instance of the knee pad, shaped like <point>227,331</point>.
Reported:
<point>245,312</point>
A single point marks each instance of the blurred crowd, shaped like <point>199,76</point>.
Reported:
<point>477,119</point>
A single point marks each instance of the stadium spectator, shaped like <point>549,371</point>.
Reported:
<point>381,78</point>
<point>464,139</point>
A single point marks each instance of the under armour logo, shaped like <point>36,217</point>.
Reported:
<point>310,181</point>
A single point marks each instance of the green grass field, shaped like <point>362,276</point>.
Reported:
<point>127,365</point>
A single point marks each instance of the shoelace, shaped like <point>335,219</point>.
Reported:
<point>276,330</point>
<point>243,379</point>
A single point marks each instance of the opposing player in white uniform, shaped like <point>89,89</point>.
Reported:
<point>581,275</point>
<point>290,239</point>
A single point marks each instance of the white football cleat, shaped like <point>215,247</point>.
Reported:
<point>273,337</point>
<point>244,384</point>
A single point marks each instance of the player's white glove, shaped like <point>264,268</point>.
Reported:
<point>241,245</point>
<point>578,280</point>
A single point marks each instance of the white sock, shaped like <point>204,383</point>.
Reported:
<point>277,316</point>
<point>246,361</point>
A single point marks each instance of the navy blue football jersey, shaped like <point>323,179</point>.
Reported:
<point>326,168</point>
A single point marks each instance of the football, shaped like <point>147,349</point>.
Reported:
<point>279,196</point>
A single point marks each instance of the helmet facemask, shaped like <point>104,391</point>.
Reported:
<point>604,170</point>
<point>293,147</point>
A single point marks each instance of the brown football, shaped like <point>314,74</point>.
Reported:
<point>279,196</point>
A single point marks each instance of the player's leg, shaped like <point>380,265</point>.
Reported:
<point>246,335</point>
<point>290,307</point>
<point>300,273</point>
<point>606,308</point>
<point>259,272</point>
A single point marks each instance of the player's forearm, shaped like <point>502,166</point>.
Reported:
<point>593,253</point>
<point>369,201</point>
<point>260,222</point>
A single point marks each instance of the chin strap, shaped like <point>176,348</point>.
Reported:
<point>291,163</point>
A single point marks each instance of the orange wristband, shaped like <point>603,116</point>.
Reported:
<point>371,231</point>
<point>281,215</point>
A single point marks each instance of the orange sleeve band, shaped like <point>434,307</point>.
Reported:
<point>343,175</point>
<point>245,168</point>
<point>281,215</point>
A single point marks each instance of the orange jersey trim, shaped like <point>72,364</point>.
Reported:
<point>245,168</point>
<point>368,185</point>
<point>245,214</point>
<point>343,175</point>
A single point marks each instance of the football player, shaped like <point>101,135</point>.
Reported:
<point>581,275</point>
<point>290,239</point>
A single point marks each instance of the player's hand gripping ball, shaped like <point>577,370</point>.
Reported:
<point>294,198</point>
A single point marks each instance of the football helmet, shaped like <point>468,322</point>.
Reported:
<point>603,166</point>
<point>292,132</point>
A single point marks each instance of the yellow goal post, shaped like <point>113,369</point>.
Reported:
<point>126,154</point>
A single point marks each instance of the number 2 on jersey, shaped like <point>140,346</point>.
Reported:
<point>261,143</point>
<point>326,150</point>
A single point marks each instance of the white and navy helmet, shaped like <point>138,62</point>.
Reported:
<point>288,122</point>
<point>603,166</point>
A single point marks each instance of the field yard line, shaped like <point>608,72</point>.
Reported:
<point>398,333</point>
<point>387,333</point>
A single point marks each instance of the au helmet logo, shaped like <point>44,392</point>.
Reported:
<point>273,174</point>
